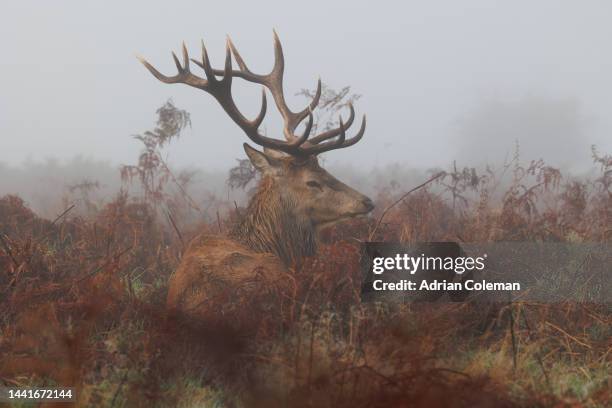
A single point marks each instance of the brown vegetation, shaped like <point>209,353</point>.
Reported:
<point>83,304</point>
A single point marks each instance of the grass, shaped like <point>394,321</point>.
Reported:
<point>83,302</point>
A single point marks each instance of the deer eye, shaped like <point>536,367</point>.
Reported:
<point>314,184</point>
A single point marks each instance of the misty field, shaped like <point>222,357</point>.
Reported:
<point>83,296</point>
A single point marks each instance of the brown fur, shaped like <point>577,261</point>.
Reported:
<point>219,276</point>
<point>272,225</point>
<point>215,273</point>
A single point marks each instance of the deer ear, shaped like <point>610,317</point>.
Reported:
<point>261,161</point>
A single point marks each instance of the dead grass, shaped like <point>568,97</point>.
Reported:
<point>82,304</point>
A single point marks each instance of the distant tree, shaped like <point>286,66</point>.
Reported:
<point>83,190</point>
<point>151,169</point>
<point>605,161</point>
<point>241,175</point>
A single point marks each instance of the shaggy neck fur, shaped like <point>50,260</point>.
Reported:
<point>271,224</point>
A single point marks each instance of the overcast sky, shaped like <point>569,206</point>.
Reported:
<point>432,74</point>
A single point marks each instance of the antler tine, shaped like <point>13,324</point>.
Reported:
<point>341,142</point>
<point>227,71</point>
<point>342,137</point>
<point>335,132</point>
<point>358,136</point>
<point>330,145</point>
<point>317,97</point>
<point>274,82</point>
<point>308,128</point>
<point>185,57</point>
<point>313,104</point>
<point>262,111</point>
<point>206,64</point>
<point>239,60</point>
<point>279,57</point>
<point>183,76</point>
<point>179,68</point>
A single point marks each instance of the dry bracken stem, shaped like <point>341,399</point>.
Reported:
<point>537,354</point>
<point>399,200</point>
<point>178,232</point>
<point>513,334</point>
<point>8,251</point>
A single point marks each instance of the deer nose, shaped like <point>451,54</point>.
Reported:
<point>368,204</point>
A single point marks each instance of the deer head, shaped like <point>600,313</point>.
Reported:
<point>315,193</point>
<point>296,195</point>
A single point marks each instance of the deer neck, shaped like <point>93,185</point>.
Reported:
<point>272,224</point>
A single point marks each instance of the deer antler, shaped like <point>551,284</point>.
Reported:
<point>220,89</point>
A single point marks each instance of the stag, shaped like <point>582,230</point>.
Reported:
<point>295,199</point>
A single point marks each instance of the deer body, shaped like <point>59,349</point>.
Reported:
<point>215,274</point>
<point>295,199</point>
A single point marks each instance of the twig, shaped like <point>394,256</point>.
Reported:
<point>11,381</point>
<point>7,248</point>
<point>178,232</point>
<point>450,370</point>
<point>66,211</point>
<point>312,340</point>
<point>537,354</point>
<point>399,200</point>
<point>369,368</point>
<point>116,394</point>
<point>237,209</point>
<point>513,335</point>
<point>186,196</point>
<point>568,335</point>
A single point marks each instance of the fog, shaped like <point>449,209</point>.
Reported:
<point>441,80</point>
